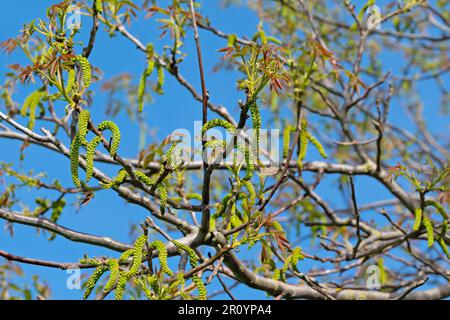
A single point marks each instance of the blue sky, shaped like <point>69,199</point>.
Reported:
<point>106,214</point>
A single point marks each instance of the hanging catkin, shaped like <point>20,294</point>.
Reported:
<point>256,123</point>
<point>29,106</point>
<point>113,266</point>
<point>98,6</point>
<point>74,154</point>
<point>71,83</point>
<point>193,259</point>
<point>218,123</point>
<point>90,152</point>
<point>83,122</point>
<point>137,255</point>
<point>86,70</point>
<point>143,79</point>
<point>93,280</point>
<point>111,126</point>
<point>162,256</point>
<point>428,224</point>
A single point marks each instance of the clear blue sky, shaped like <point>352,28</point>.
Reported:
<point>106,214</point>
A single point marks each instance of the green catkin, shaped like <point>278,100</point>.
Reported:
<point>303,145</point>
<point>418,221</point>
<point>218,123</point>
<point>137,255</point>
<point>437,206</point>
<point>150,61</point>
<point>30,104</point>
<point>143,80</point>
<point>168,156</point>
<point>160,83</point>
<point>86,260</point>
<point>202,294</point>
<point>216,144</point>
<point>287,139</point>
<point>57,211</point>
<point>256,123</point>
<point>90,152</point>
<point>234,220</point>
<point>120,176</point>
<point>224,204</point>
<point>120,288</point>
<point>251,192</point>
<point>213,144</point>
<point>83,122</point>
<point>441,241</point>
<point>74,153</point>
<point>444,247</point>
<point>212,222</point>
<point>249,160</point>
<point>142,177</point>
<point>32,118</point>
<point>162,256</point>
<point>111,126</point>
<point>180,279</point>
<point>305,138</point>
<point>318,145</point>
<point>276,274</point>
<point>428,224</point>
<point>163,197</point>
<point>193,258</point>
<point>93,280</point>
<point>117,180</point>
<point>98,6</point>
<point>231,41</point>
<point>126,255</point>
<point>141,90</point>
<point>444,228</point>
<point>71,85</point>
<point>196,196</point>
<point>153,282</point>
<point>113,266</point>
<point>85,69</point>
